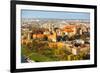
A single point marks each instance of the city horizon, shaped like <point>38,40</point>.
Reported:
<point>40,14</point>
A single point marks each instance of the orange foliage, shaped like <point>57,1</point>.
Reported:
<point>56,45</point>
<point>39,36</point>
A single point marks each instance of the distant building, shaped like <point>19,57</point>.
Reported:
<point>70,30</point>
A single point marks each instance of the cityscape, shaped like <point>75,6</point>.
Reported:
<point>54,39</point>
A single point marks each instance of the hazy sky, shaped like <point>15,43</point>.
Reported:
<point>54,14</point>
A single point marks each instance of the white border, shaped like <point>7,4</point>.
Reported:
<point>20,65</point>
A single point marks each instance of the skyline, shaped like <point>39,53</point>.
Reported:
<point>54,14</point>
